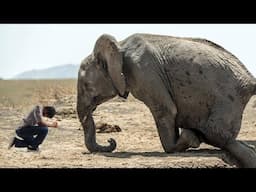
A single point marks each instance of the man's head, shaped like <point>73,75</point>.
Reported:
<point>49,111</point>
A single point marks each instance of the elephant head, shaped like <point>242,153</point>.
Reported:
<point>100,78</point>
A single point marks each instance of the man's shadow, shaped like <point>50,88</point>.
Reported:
<point>214,152</point>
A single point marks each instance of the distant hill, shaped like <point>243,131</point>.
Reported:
<point>59,72</point>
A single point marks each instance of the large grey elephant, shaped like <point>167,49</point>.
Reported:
<point>187,83</point>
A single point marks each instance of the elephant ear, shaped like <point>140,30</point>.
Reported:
<point>107,50</point>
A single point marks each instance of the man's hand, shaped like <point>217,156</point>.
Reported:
<point>55,124</point>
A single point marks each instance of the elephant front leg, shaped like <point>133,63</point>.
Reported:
<point>150,89</point>
<point>170,139</point>
<point>169,133</point>
<point>165,122</point>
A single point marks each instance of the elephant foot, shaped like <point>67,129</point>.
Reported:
<point>186,140</point>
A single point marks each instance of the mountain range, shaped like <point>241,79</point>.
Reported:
<point>68,71</point>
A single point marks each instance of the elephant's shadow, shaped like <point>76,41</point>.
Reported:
<point>214,152</point>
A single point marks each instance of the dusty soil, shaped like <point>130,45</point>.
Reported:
<point>138,144</point>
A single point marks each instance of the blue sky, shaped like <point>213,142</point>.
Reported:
<point>36,46</point>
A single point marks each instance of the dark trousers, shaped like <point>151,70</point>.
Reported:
<point>32,136</point>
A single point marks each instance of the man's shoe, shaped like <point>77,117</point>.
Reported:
<point>12,143</point>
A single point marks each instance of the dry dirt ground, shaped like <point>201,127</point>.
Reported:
<point>138,144</point>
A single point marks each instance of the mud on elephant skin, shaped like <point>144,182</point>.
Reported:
<point>187,83</point>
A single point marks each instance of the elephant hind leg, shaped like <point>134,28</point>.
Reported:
<point>221,131</point>
<point>244,154</point>
<point>187,139</point>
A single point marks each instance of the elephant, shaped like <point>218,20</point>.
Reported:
<point>189,84</point>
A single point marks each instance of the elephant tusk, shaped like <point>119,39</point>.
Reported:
<point>84,119</point>
<point>90,110</point>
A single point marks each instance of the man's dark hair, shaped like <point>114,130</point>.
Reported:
<point>50,111</point>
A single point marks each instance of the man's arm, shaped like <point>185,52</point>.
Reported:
<point>43,122</point>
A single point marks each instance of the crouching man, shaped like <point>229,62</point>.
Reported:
<point>34,128</point>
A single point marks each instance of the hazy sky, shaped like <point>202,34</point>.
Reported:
<point>36,46</point>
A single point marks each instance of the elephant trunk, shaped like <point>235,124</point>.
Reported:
<point>86,119</point>
<point>90,137</point>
